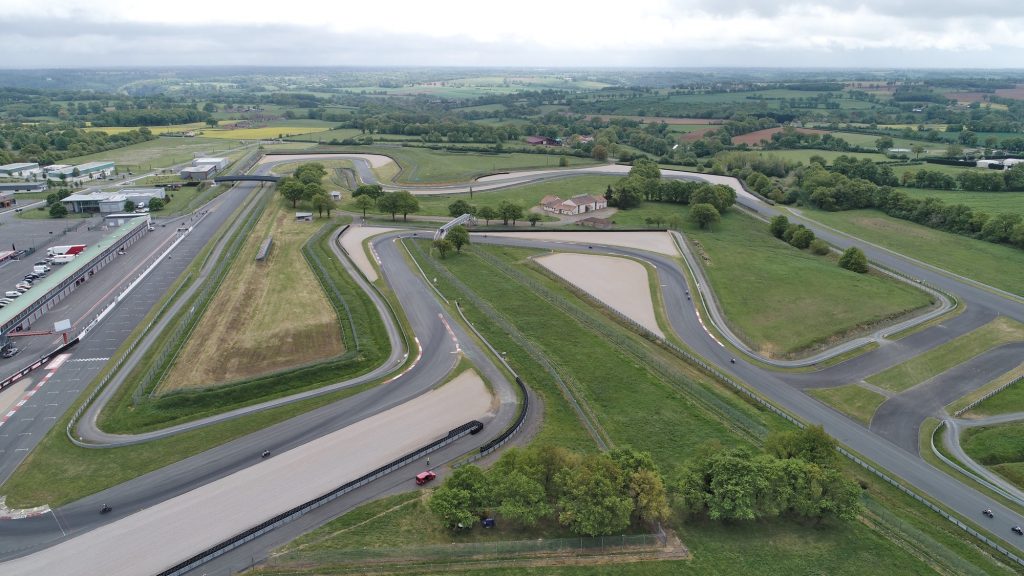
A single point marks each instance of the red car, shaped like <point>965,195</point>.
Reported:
<point>424,477</point>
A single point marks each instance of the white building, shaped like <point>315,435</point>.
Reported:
<point>111,202</point>
<point>203,172</point>
<point>579,204</point>
<point>219,163</point>
<point>20,170</point>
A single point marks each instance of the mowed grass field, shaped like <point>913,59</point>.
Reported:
<point>267,316</point>
<point>425,166</point>
<point>767,288</point>
<point>277,129</point>
<point>855,401</point>
<point>1000,331</point>
<point>994,264</point>
<point>1010,399</point>
<point>990,202</point>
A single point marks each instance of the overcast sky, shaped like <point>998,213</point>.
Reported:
<point>606,33</point>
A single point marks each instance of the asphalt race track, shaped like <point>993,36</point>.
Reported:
<point>885,443</point>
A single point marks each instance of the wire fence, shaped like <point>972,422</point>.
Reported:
<point>492,550</point>
<point>547,364</point>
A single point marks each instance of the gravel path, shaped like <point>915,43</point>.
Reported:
<point>352,241</point>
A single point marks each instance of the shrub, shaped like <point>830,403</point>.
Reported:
<point>802,238</point>
<point>853,259</point>
<point>820,247</point>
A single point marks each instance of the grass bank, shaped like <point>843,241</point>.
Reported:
<point>766,287</point>
<point>1000,331</point>
<point>855,401</point>
<point>1010,399</point>
<point>997,265</point>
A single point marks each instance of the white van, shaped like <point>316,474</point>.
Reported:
<point>12,294</point>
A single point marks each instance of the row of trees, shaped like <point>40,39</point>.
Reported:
<point>305,184</point>
<point>590,494</point>
<point>402,202</point>
<point>1008,180</point>
<point>47,143</point>
<point>801,237</point>
<point>832,191</point>
<point>507,211</point>
<point>798,476</point>
<point>457,237</point>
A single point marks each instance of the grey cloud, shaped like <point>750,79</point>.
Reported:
<point>44,44</point>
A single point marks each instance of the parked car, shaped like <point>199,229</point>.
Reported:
<point>12,294</point>
<point>10,351</point>
<point>424,477</point>
<point>6,301</point>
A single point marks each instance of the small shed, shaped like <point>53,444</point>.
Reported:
<point>335,195</point>
<point>303,216</point>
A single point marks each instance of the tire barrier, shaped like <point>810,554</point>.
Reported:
<point>471,427</point>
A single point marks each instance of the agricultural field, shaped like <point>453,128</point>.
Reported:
<point>868,141</point>
<point>990,202</point>
<point>343,133</point>
<point>267,316</point>
<point>805,290</point>
<point>993,264</point>
<point>275,129</point>
<point>163,152</point>
<point>804,155</point>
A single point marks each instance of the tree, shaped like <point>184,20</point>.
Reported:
<point>374,191</point>
<point>364,203</point>
<point>309,173</point>
<point>591,501</point>
<point>388,203</point>
<point>533,218</point>
<point>458,236</point>
<point>460,207</point>
<point>509,211</point>
<point>917,149</point>
<point>156,204</point>
<point>600,152</point>
<point>444,246</point>
<point>209,108</point>
<point>58,210</point>
<point>645,168</point>
<point>75,172</point>
<point>778,225</point>
<point>810,443</point>
<point>291,189</point>
<point>520,498</point>
<point>802,238</point>
<point>884,143</point>
<point>406,203</point>
<point>212,122</point>
<point>129,206</point>
<point>704,215</point>
<point>311,190</point>
<point>853,259</point>
<point>488,214</point>
<point>954,150</point>
<point>321,202</point>
<point>452,505</point>
<point>563,161</point>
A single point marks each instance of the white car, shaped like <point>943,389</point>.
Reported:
<point>12,294</point>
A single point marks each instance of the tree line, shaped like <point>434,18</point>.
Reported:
<point>796,477</point>
<point>49,143</point>
<point>305,184</point>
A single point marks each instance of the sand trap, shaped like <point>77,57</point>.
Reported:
<point>352,241</point>
<point>156,538</point>
<point>660,242</point>
<point>375,160</point>
<point>618,282</point>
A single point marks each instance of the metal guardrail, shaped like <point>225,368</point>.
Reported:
<point>471,427</point>
<point>988,395</point>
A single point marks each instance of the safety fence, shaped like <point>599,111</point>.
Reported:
<point>524,408</point>
<point>36,364</point>
<point>327,282</point>
<point>471,427</point>
<point>149,383</point>
<point>117,364</point>
<point>585,416</point>
<point>473,551</point>
<point>730,415</point>
<point>988,395</point>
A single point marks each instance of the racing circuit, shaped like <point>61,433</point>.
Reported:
<point>45,541</point>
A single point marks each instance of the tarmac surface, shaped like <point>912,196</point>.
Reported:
<point>441,338</point>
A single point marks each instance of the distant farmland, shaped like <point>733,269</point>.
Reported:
<point>754,138</point>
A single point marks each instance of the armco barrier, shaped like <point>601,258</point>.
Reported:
<point>988,395</point>
<point>39,362</point>
<point>471,427</point>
